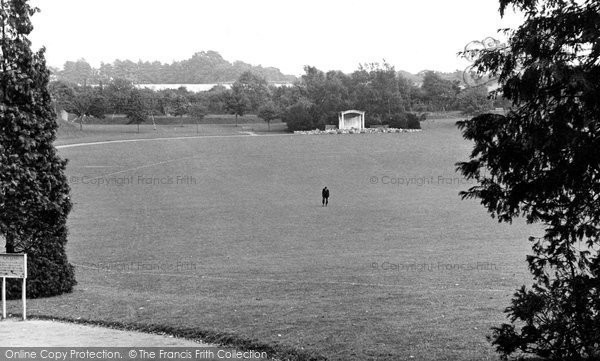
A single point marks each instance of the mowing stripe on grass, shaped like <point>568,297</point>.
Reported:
<point>323,155</point>
<point>144,166</point>
<point>265,280</point>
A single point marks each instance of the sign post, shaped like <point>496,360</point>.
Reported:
<point>13,265</point>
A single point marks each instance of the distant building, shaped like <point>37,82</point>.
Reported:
<point>351,119</point>
<point>199,87</point>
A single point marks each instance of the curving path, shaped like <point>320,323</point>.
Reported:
<point>166,138</point>
<point>42,333</point>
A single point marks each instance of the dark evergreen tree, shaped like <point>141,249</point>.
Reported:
<point>34,193</point>
<point>541,161</point>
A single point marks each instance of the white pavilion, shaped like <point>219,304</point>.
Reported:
<point>351,119</point>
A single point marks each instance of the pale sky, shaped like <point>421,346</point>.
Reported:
<point>412,35</point>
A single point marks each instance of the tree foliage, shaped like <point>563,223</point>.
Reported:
<point>236,101</point>
<point>85,102</point>
<point>405,121</point>
<point>136,109</point>
<point>198,111</point>
<point>440,93</point>
<point>202,68</point>
<point>301,116</point>
<point>34,193</point>
<point>378,92</point>
<point>118,92</point>
<point>268,112</point>
<point>475,101</point>
<point>541,161</point>
<point>254,87</point>
<point>175,102</point>
<point>78,72</point>
<point>376,89</point>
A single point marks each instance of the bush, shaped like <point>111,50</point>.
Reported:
<point>300,117</point>
<point>48,272</point>
<point>474,101</point>
<point>405,121</point>
<point>374,121</point>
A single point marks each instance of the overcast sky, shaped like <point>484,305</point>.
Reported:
<point>412,35</point>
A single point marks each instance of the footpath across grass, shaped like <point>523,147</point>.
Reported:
<point>70,133</point>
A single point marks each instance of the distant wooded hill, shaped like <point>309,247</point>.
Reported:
<point>205,67</point>
<point>202,68</point>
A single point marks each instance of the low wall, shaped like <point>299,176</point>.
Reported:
<point>357,131</point>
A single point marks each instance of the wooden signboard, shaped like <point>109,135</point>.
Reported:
<point>13,265</point>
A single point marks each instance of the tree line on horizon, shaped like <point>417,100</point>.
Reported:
<point>203,67</point>
<point>312,101</point>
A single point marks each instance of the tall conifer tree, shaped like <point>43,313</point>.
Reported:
<point>34,193</point>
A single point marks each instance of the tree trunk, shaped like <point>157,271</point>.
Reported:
<point>269,125</point>
<point>138,124</point>
<point>236,120</point>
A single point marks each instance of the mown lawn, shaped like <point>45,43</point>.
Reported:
<point>227,235</point>
<point>70,132</point>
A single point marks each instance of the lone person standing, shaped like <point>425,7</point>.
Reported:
<point>325,194</point>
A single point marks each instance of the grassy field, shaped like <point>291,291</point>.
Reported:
<point>210,119</point>
<point>111,119</point>
<point>226,235</point>
<point>71,133</point>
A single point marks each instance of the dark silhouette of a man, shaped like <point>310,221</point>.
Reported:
<point>325,194</point>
